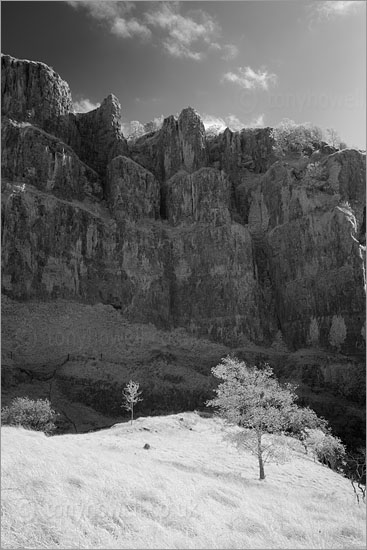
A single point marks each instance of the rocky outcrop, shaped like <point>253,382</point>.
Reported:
<point>178,145</point>
<point>213,234</point>
<point>244,156</point>
<point>131,190</point>
<point>32,156</point>
<point>213,288</point>
<point>32,92</point>
<point>198,277</point>
<point>203,196</point>
<point>250,149</point>
<point>96,136</point>
<point>191,133</point>
<point>345,172</point>
<point>315,261</point>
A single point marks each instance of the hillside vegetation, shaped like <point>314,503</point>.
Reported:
<point>190,489</point>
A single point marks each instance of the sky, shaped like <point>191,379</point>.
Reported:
<point>239,64</point>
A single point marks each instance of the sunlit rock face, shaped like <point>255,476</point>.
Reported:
<point>214,234</point>
<point>179,145</point>
<point>32,92</point>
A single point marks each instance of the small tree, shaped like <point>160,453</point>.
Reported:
<point>254,400</point>
<point>131,396</point>
<point>338,332</point>
<point>30,414</point>
<point>313,332</point>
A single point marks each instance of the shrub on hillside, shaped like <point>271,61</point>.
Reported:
<point>326,448</point>
<point>32,415</point>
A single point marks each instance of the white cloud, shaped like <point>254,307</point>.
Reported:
<point>180,50</point>
<point>104,10</point>
<point>257,122</point>
<point>116,15</point>
<point>129,28</point>
<point>186,36</point>
<point>84,105</point>
<point>191,35</point>
<point>234,123</point>
<point>331,8</point>
<point>250,79</point>
<point>230,51</point>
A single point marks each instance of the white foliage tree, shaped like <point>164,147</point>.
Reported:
<point>254,400</point>
<point>338,332</point>
<point>292,137</point>
<point>130,397</point>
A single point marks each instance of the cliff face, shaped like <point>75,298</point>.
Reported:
<point>214,235</point>
<point>33,157</point>
<point>179,145</point>
<point>32,92</point>
<point>96,136</point>
<point>315,260</point>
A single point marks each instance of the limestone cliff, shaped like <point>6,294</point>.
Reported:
<point>178,145</point>
<point>32,92</point>
<point>33,157</point>
<point>315,261</point>
<point>96,136</point>
<point>216,235</point>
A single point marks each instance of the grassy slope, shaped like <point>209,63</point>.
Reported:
<point>189,490</point>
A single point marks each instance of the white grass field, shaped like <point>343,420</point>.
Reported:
<point>190,489</point>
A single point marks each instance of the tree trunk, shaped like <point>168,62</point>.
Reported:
<point>132,415</point>
<point>261,466</point>
<point>260,457</point>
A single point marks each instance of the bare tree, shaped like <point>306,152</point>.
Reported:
<point>131,396</point>
<point>333,138</point>
<point>355,470</point>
